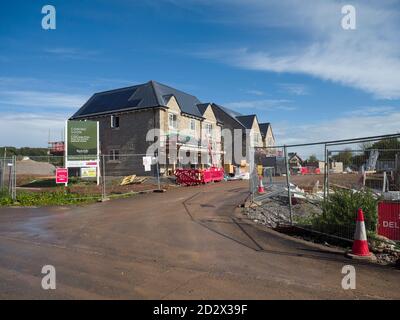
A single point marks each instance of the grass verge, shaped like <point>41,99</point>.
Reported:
<point>58,197</point>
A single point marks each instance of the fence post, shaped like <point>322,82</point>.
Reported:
<point>3,179</point>
<point>252,171</point>
<point>327,173</point>
<point>14,179</point>
<point>1,175</point>
<point>158,173</point>
<point>288,184</point>
<point>326,166</point>
<point>103,180</point>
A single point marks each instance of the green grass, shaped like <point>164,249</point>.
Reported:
<point>51,183</point>
<point>59,197</point>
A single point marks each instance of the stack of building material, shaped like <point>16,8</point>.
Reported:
<point>229,168</point>
<point>244,167</point>
<point>133,179</point>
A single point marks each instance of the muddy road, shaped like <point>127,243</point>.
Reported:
<point>188,243</point>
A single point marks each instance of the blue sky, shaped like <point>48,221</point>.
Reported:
<point>290,62</point>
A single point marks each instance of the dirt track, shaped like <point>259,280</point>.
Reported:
<point>308,181</point>
<point>187,243</point>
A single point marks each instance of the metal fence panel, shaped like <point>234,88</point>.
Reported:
<point>37,174</point>
<point>309,175</point>
<point>117,175</point>
<point>7,176</point>
<point>127,174</point>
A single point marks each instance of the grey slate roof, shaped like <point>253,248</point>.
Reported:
<point>247,121</point>
<point>148,95</point>
<point>228,112</point>
<point>231,113</point>
<point>202,107</point>
<point>264,128</point>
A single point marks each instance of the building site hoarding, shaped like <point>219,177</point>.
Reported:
<point>82,143</point>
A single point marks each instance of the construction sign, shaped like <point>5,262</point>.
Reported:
<point>389,220</point>
<point>82,143</point>
<point>61,175</point>
<point>88,172</point>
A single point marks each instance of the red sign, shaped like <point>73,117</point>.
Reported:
<point>61,175</point>
<point>389,220</point>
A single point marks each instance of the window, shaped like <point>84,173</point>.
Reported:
<point>192,125</point>
<point>209,129</point>
<point>114,122</point>
<point>114,155</point>
<point>172,121</point>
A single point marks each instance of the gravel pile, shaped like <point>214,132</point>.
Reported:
<point>30,167</point>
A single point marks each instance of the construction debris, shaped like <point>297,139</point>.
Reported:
<point>133,179</point>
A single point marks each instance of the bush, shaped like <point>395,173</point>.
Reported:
<point>341,207</point>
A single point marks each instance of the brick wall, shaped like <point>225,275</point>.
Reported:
<point>129,138</point>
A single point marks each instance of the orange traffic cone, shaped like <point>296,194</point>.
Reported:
<point>260,185</point>
<point>360,244</point>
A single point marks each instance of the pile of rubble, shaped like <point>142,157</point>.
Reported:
<point>270,214</point>
<point>386,250</point>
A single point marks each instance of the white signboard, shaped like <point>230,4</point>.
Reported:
<point>147,163</point>
<point>89,172</point>
<point>80,164</point>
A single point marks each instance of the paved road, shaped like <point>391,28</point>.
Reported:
<point>186,243</point>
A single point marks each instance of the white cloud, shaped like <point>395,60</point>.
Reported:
<point>42,99</point>
<point>371,111</point>
<point>71,53</point>
<point>367,58</point>
<point>255,92</point>
<point>346,127</point>
<point>294,88</point>
<point>27,129</point>
<point>262,105</point>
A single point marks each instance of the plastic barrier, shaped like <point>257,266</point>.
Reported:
<point>389,219</point>
<point>309,170</point>
<point>217,174</point>
<point>191,177</point>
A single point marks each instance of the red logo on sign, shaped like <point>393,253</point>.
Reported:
<point>389,220</point>
<point>61,175</point>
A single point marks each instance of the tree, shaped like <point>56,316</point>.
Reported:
<point>391,144</point>
<point>312,158</point>
<point>25,151</point>
<point>345,157</point>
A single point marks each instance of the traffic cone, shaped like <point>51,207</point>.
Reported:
<point>260,185</point>
<point>360,244</point>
